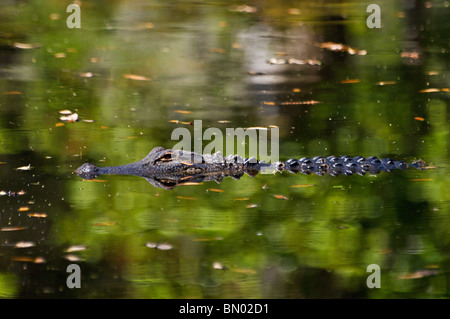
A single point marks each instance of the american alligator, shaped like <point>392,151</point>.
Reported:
<point>167,168</point>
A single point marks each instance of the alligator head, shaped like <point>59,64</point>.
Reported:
<point>88,171</point>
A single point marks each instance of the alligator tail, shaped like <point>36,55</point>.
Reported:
<point>341,165</point>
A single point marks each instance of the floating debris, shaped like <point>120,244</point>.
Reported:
<point>302,185</point>
<point>60,55</point>
<point>108,223</point>
<point>310,102</point>
<point>351,81</point>
<point>182,111</point>
<point>85,74</point>
<point>36,260</point>
<point>159,246</point>
<point>12,194</point>
<point>293,61</point>
<point>12,93</point>
<point>410,55</point>
<point>69,118</point>
<point>216,190</point>
<point>219,266</point>
<point>252,206</point>
<point>184,197</point>
<point>75,248</point>
<point>418,118</point>
<point>37,215</point>
<point>339,47</point>
<point>434,90</point>
<point>280,197</point>
<point>24,244</point>
<point>136,77</point>
<point>256,73</point>
<point>11,228</point>
<point>244,8</point>
<point>72,257</point>
<point>24,168</point>
<point>26,46</point>
<point>294,11</point>
<point>23,209</point>
<point>418,274</point>
<point>381,83</point>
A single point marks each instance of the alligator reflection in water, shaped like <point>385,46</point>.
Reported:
<point>166,168</point>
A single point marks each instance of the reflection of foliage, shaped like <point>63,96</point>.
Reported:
<point>8,285</point>
<point>197,59</point>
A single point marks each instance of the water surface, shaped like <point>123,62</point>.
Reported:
<point>137,70</point>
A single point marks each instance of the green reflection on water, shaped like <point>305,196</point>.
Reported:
<point>241,241</point>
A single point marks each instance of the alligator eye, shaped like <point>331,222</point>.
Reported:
<point>167,157</point>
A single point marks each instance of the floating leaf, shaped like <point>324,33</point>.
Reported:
<point>104,223</point>
<point>386,83</point>
<point>23,209</point>
<point>38,215</point>
<point>339,47</point>
<point>24,168</point>
<point>410,55</point>
<point>252,206</point>
<point>302,185</point>
<point>184,197</point>
<point>431,90</point>
<point>244,8</point>
<point>72,257</point>
<point>11,228</point>
<point>36,260</point>
<point>216,190</point>
<point>293,11</point>
<point>85,74</point>
<point>26,46</point>
<point>280,196</point>
<point>310,102</point>
<point>69,118</point>
<point>160,246</point>
<point>219,266</point>
<point>60,55</point>
<point>24,244</point>
<point>417,118</point>
<point>136,77</point>
<point>255,73</point>
<point>351,81</point>
<point>12,92</point>
<point>65,112</point>
<point>183,112</point>
<point>75,248</point>
<point>59,124</point>
<point>418,274</point>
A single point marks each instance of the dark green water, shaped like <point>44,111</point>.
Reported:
<point>134,65</point>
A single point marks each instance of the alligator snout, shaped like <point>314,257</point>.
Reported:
<point>88,171</point>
